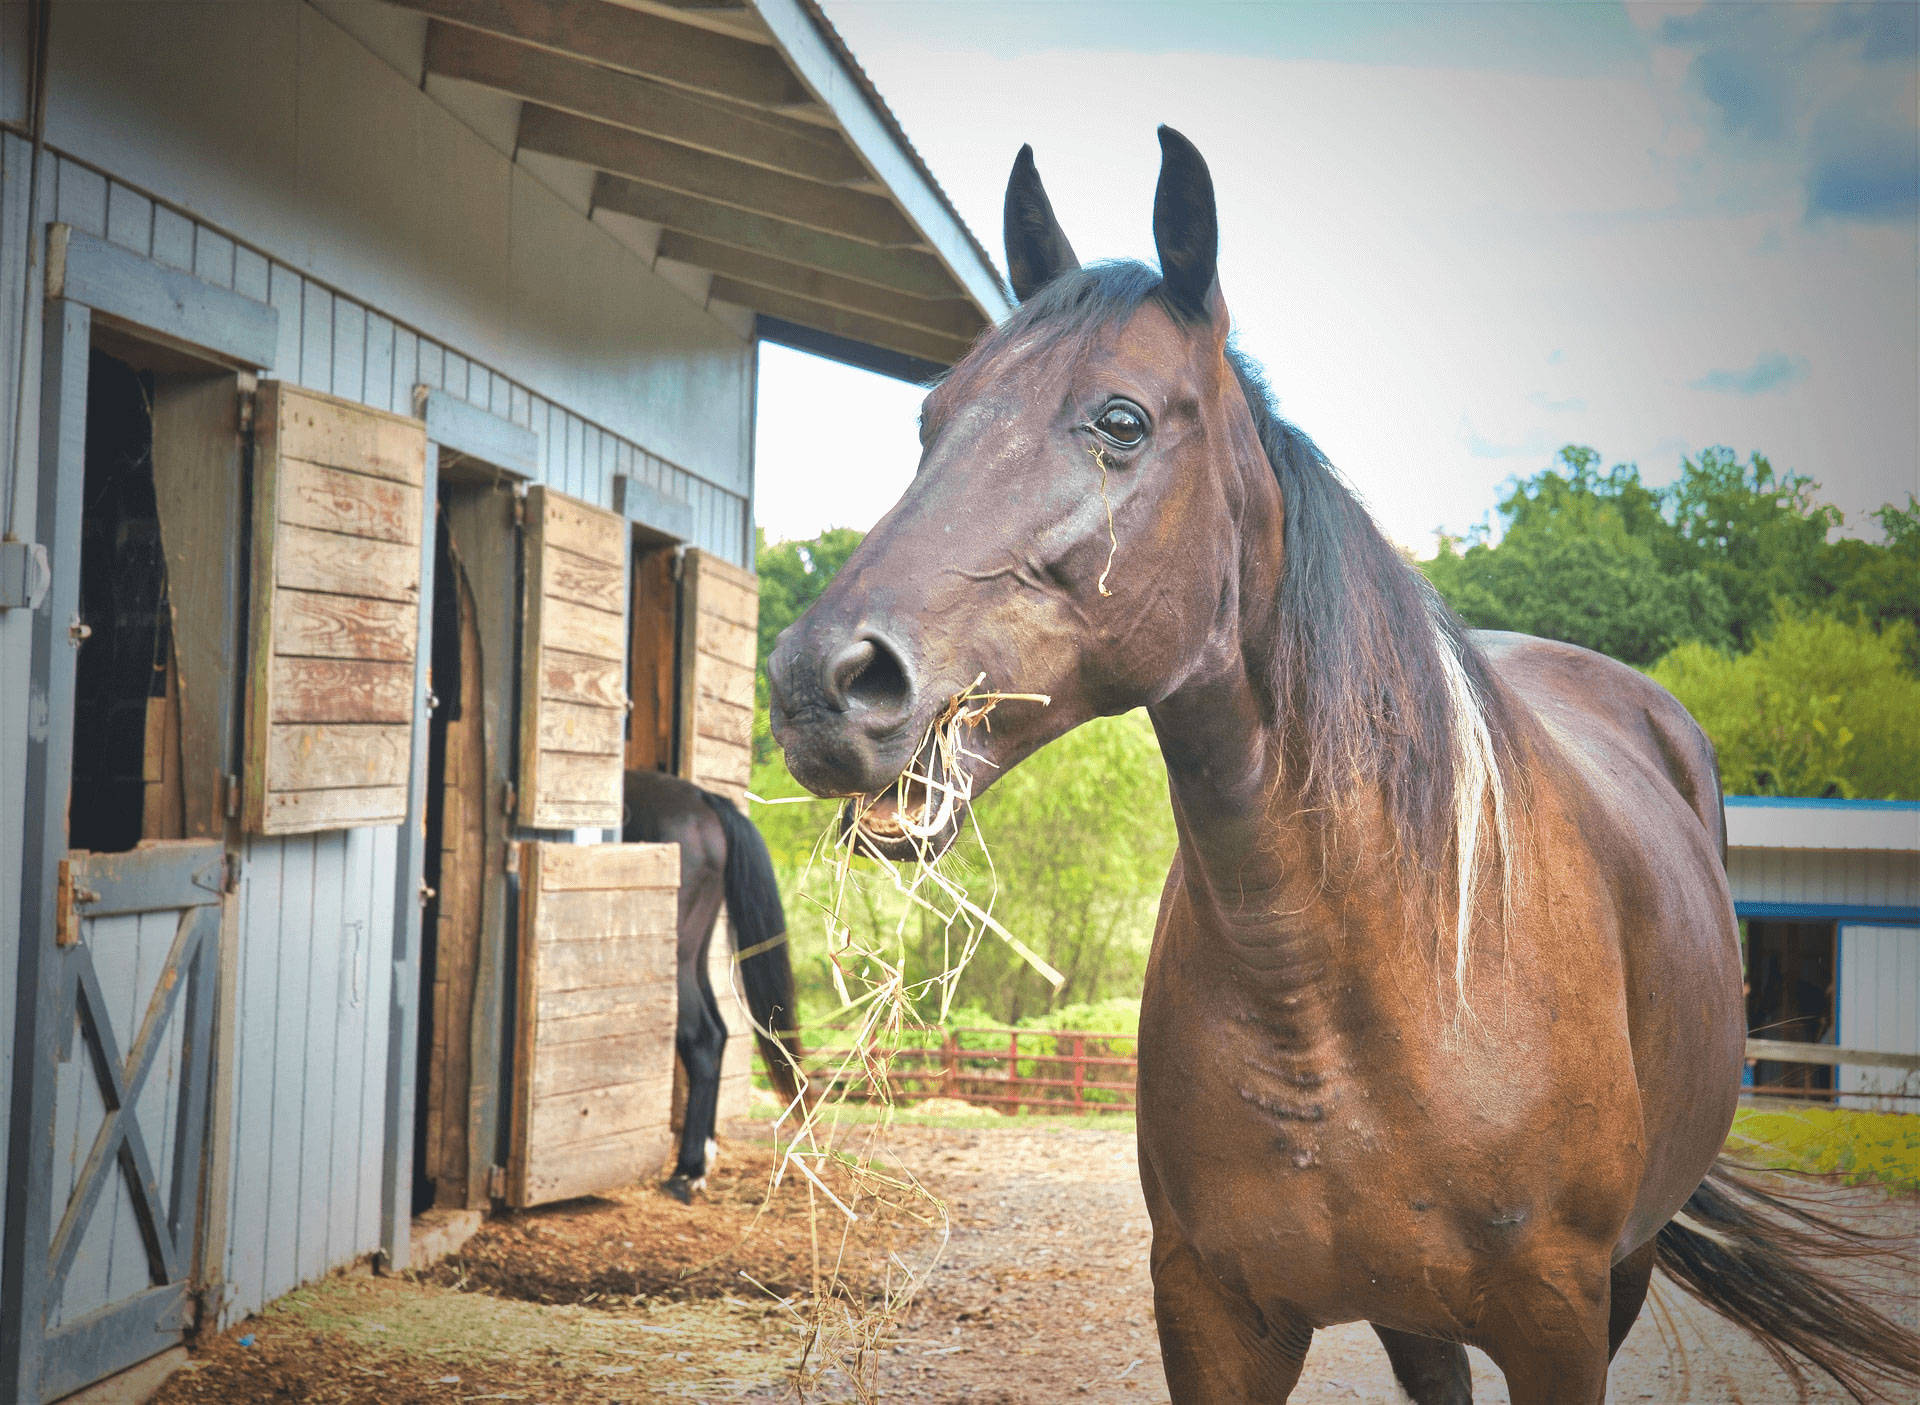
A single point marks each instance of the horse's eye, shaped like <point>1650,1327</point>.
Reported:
<point>1122,424</point>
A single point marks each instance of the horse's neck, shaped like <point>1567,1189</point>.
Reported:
<point>1248,858</point>
<point>1260,891</point>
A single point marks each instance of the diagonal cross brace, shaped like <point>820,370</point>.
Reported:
<point>120,1140</point>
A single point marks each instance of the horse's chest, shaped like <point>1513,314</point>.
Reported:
<point>1302,1171</point>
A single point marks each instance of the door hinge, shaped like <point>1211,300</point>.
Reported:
<point>246,406</point>
<point>231,783</point>
<point>497,1183</point>
<point>509,798</point>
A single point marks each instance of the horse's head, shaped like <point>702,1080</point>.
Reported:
<point>1072,528</point>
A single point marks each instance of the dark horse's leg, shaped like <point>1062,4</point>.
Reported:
<point>1432,1372</point>
<point>663,810</point>
<point>1631,1277</point>
<point>702,1041</point>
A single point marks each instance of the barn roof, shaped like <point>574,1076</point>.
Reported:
<point>745,133</point>
<point>1789,822</point>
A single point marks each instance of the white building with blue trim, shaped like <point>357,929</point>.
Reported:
<point>1828,895</point>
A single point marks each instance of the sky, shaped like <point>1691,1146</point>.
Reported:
<point>1457,235</point>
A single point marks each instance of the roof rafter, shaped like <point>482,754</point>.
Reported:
<point>951,317</point>
<point>641,105</point>
<point>904,270</point>
<point>636,41</point>
<point>871,219</point>
<point>930,345</point>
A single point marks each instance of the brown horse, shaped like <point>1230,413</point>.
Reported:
<point>1442,1027</point>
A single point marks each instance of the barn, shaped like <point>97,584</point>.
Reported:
<point>379,407</point>
<point>1828,896</point>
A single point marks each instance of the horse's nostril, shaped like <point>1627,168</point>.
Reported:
<point>869,675</point>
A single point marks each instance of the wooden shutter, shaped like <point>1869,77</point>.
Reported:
<point>335,612</point>
<point>719,619</point>
<point>593,1066</point>
<point>573,706</point>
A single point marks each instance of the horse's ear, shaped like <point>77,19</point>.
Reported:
<point>1037,250</point>
<point>1186,231</point>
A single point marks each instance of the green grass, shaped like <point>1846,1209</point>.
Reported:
<point>1861,1147</point>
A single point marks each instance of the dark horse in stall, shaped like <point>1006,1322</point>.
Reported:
<point>1442,1026</point>
<point>722,858</point>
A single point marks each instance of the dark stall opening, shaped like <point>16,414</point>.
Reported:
<point>126,764</point>
<point>1790,996</point>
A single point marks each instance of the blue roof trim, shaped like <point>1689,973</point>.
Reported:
<point>1858,915</point>
<point>1801,802</point>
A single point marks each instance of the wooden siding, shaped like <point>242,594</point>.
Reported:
<point>1879,1000</point>
<point>336,538</point>
<point>574,629</point>
<point>719,614</point>
<point>593,1063</point>
<point>1851,877</point>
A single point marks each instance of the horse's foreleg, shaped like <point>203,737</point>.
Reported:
<point>1432,1372</point>
<point>1216,1346</point>
<point>1547,1331</point>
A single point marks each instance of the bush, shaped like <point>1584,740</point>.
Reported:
<point>1820,707</point>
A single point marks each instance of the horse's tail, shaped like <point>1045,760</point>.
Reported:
<point>759,926</point>
<point>1746,1252</point>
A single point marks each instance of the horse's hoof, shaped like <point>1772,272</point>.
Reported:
<point>680,1188</point>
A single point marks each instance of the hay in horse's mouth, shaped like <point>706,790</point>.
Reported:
<point>920,814</point>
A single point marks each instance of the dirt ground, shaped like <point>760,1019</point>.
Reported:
<point>1041,1295</point>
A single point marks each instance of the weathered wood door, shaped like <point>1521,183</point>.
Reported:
<point>593,1064</point>
<point>336,598</point>
<point>719,619</point>
<point>137,949</point>
<point>573,707</point>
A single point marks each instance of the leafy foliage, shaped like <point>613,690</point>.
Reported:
<point>1819,707</point>
<point>1600,559</point>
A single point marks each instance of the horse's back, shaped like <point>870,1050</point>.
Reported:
<point>1601,706</point>
<point>1637,783</point>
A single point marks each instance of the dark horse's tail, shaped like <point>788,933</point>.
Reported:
<point>1746,1255</point>
<point>759,926</point>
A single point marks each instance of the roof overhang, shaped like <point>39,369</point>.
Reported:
<point>1785,822</point>
<point>746,137</point>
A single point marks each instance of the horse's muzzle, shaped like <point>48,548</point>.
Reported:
<point>842,707</point>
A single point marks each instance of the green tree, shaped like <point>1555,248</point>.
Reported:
<point>1819,707</point>
<point>1880,582</point>
<point>1581,560</point>
<point>1759,536</point>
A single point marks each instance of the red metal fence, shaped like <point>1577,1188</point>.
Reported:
<point>1040,1070</point>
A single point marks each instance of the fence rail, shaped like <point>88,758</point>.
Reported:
<point>1791,1052</point>
<point>1039,1070</point>
<point>1078,1070</point>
